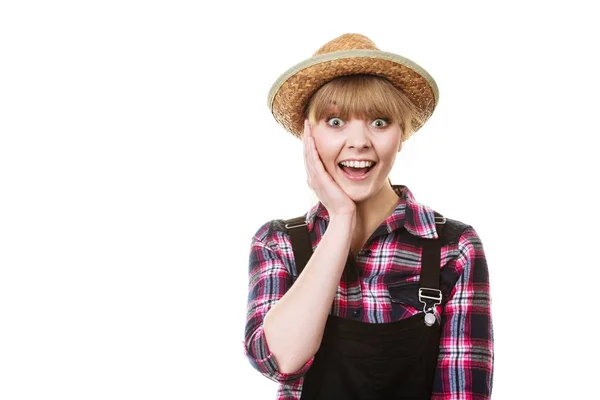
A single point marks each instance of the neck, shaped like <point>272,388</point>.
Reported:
<point>378,207</point>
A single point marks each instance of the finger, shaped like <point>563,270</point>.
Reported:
<point>317,162</point>
<point>313,153</point>
<point>308,163</point>
<point>318,169</point>
<point>314,161</point>
<point>305,145</point>
<point>307,128</point>
<point>306,137</point>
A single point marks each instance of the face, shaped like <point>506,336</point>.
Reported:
<point>339,141</point>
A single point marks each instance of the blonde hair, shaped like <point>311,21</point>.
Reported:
<point>364,96</point>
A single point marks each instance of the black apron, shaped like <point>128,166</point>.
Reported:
<point>376,361</point>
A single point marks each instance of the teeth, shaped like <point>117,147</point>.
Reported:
<point>357,164</point>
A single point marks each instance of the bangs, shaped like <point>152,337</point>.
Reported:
<point>362,96</point>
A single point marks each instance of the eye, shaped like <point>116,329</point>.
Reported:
<point>334,121</point>
<point>380,123</point>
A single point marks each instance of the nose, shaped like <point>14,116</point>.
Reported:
<point>358,134</point>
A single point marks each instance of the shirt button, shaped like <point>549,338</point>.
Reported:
<point>356,313</point>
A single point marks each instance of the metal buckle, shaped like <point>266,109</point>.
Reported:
<point>440,220</point>
<point>295,225</point>
<point>437,298</point>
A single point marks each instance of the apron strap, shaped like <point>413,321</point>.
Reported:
<point>301,246</point>
<point>429,291</point>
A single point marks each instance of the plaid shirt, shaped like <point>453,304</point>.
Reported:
<point>386,265</point>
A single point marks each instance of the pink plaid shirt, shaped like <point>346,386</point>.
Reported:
<point>465,362</point>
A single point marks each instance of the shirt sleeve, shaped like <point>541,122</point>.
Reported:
<point>466,357</point>
<point>268,281</point>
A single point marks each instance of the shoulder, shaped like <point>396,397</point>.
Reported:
<point>272,233</point>
<point>454,230</point>
<point>462,236</point>
<point>465,258</point>
<point>272,247</point>
<point>469,254</point>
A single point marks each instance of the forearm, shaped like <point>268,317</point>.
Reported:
<point>294,326</point>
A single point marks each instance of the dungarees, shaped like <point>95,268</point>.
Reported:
<point>376,361</point>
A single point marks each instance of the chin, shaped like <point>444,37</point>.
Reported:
<point>357,193</point>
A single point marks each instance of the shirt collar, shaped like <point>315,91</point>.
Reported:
<point>416,218</point>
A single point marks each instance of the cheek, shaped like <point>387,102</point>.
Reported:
<point>387,152</point>
<point>391,146</point>
<point>329,154</point>
<point>328,149</point>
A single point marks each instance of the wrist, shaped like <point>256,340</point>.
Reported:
<point>346,220</point>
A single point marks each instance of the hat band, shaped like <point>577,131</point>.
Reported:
<point>337,55</point>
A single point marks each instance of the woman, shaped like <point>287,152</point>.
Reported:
<point>370,295</point>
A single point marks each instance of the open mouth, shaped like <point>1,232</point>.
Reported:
<point>356,173</point>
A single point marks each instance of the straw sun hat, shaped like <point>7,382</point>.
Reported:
<point>348,54</point>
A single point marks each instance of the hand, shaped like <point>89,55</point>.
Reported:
<point>335,200</point>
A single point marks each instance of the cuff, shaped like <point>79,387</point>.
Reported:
<point>261,358</point>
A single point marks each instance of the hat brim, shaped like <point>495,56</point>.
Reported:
<point>292,90</point>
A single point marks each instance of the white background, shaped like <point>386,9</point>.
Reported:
<point>138,157</point>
